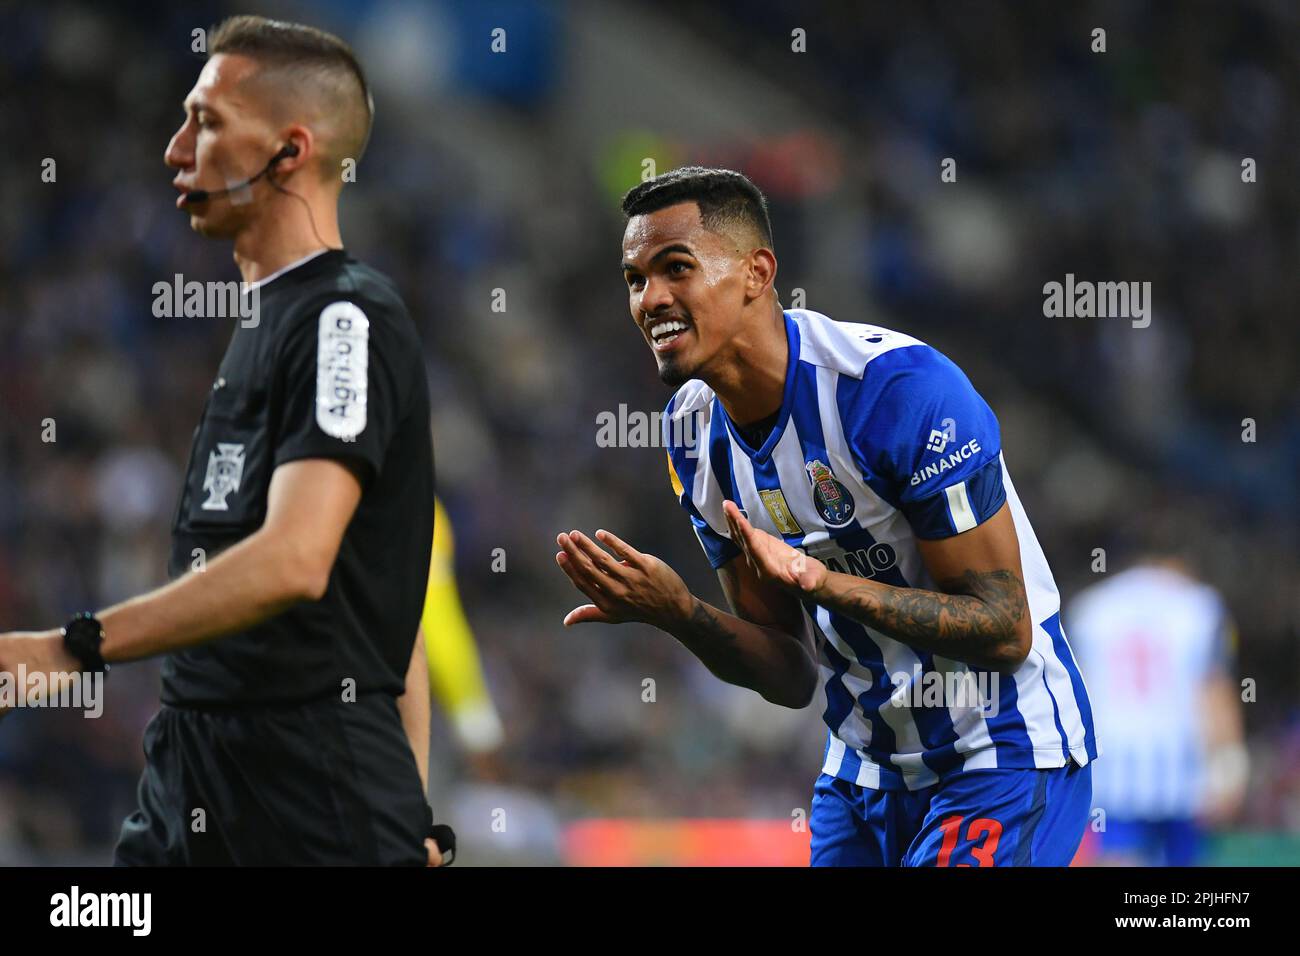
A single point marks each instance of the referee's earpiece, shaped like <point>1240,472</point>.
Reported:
<point>285,151</point>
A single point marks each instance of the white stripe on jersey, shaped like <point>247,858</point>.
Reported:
<point>959,509</point>
<point>834,755</point>
<point>742,469</point>
<point>788,460</point>
<point>856,680</point>
<point>707,494</point>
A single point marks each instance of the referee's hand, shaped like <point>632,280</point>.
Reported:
<point>33,652</point>
<point>435,858</point>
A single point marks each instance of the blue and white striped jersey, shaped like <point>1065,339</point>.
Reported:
<point>881,440</point>
<point>1151,638</point>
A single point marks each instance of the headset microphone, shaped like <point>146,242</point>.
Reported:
<point>203,195</point>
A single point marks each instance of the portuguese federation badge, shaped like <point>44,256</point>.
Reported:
<point>833,501</point>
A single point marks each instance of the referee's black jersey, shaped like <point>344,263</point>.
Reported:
<point>332,369</point>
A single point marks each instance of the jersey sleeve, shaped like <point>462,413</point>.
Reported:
<point>342,376</point>
<point>718,547</point>
<point>931,441</point>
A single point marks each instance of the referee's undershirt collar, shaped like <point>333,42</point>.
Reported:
<point>289,268</point>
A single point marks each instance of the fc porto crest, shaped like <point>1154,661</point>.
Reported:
<point>833,501</point>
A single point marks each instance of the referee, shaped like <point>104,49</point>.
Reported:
<point>302,539</point>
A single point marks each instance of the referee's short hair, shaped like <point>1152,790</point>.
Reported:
<point>727,199</point>
<point>301,66</point>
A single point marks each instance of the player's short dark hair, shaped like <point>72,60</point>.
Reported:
<point>725,197</point>
<point>307,53</point>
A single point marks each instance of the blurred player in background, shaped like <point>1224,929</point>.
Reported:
<point>1157,645</point>
<point>452,658</point>
<point>847,483</point>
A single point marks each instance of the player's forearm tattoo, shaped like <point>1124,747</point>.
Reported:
<point>740,652</point>
<point>982,612</point>
<point>707,624</point>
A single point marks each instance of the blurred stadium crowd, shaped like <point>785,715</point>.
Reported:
<point>502,172</point>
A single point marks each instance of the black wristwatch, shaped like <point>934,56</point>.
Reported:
<point>83,636</point>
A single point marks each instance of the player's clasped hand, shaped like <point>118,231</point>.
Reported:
<point>771,558</point>
<point>625,586</point>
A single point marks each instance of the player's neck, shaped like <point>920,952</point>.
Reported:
<point>283,233</point>
<point>751,383</point>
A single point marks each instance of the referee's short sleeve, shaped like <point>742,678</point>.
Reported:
<point>342,374</point>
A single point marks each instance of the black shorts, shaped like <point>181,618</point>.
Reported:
<point>320,783</point>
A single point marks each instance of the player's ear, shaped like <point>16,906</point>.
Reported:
<point>761,273</point>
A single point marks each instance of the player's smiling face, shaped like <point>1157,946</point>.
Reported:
<point>223,140</point>
<point>686,289</point>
